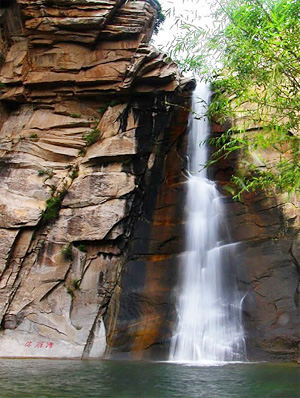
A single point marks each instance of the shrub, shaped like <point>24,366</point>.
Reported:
<point>82,247</point>
<point>74,173</point>
<point>76,284</point>
<point>70,292</point>
<point>45,172</point>
<point>82,152</point>
<point>53,206</point>
<point>92,137</point>
<point>66,252</point>
<point>33,137</point>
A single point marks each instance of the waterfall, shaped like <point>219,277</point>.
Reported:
<point>209,328</point>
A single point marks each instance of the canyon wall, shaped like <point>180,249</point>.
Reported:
<point>93,156</point>
<point>266,226</point>
<point>92,148</point>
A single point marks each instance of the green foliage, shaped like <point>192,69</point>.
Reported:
<point>114,102</point>
<point>66,252</point>
<point>74,173</point>
<point>75,115</point>
<point>102,110</point>
<point>33,137</point>
<point>76,284</point>
<point>91,137</point>
<point>45,172</point>
<point>82,151</point>
<point>70,292</point>
<point>253,62</point>
<point>53,206</point>
<point>82,247</point>
<point>159,21</point>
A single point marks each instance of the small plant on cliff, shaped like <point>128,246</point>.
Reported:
<point>102,110</point>
<point>70,292</point>
<point>74,173</point>
<point>112,103</point>
<point>82,151</point>
<point>82,247</point>
<point>45,172</point>
<point>66,252</point>
<point>53,206</point>
<point>33,137</point>
<point>91,137</point>
<point>76,284</point>
<point>75,115</point>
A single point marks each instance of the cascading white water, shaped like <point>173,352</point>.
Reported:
<point>209,328</point>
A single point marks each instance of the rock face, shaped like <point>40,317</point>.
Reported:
<point>267,229</point>
<point>91,152</point>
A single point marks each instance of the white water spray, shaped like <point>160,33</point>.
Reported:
<point>209,328</point>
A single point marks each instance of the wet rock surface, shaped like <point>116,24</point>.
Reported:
<point>267,261</point>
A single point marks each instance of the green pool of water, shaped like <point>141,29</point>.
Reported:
<point>111,379</point>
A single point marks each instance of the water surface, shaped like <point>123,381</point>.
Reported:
<point>112,379</point>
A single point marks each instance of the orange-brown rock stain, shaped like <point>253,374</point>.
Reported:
<point>166,222</point>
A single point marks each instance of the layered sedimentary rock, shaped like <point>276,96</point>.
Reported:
<point>92,157</point>
<point>90,177</point>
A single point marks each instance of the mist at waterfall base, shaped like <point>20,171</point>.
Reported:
<point>209,329</point>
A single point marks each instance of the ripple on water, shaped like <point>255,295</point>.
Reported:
<point>112,379</point>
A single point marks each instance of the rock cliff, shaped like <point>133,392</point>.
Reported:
<point>91,151</point>
<point>267,227</point>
